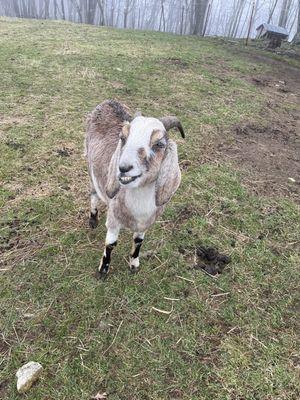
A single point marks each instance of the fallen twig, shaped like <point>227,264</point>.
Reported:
<point>162,311</point>
<point>114,339</point>
<point>185,279</point>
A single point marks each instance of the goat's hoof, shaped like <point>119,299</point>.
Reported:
<point>134,265</point>
<point>93,221</point>
<point>133,270</point>
<point>101,275</point>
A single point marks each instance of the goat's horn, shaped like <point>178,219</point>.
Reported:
<point>172,122</point>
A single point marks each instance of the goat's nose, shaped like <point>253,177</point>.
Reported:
<point>125,168</point>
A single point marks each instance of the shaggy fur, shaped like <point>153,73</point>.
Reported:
<point>112,144</point>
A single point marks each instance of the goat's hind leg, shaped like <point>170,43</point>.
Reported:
<point>95,202</point>
<point>138,238</point>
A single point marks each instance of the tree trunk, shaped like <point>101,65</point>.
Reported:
<point>206,19</point>
<point>112,15</point>
<point>162,20</point>
<point>16,8</point>
<point>55,9</point>
<point>237,18</point>
<point>200,7</point>
<point>163,16</point>
<point>296,39</point>
<point>284,13</point>
<point>63,9</point>
<point>181,20</point>
<point>46,9</point>
<point>272,11</point>
<point>90,11</point>
<point>101,6</point>
<point>139,18</point>
<point>78,9</point>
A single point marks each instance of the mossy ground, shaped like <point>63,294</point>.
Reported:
<point>231,337</point>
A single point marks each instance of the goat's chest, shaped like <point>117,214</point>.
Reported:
<point>141,206</point>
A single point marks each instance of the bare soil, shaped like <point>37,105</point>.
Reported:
<point>268,149</point>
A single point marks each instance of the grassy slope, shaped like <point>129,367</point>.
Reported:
<point>239,345</point>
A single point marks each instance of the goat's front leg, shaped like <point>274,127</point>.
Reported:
<point>110,242</point>
<point>138,238</point>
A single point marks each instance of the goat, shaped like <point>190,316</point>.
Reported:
<point>133,169</point>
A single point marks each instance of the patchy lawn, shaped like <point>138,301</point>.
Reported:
<point>233,336</point>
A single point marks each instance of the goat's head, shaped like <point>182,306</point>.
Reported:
<point>144,153</point>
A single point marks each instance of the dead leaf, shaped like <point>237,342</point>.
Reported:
<point>100,396</point>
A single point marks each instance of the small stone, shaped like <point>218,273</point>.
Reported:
<point>292,180</point>
<point>27,375</point>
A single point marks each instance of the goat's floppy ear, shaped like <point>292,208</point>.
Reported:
<point>169,175</point>
<point>112,184</point>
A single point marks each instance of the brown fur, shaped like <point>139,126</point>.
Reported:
<point>125,131</point>
<point>156,135</point>
<point>169,175</point>
<point>106,121</point>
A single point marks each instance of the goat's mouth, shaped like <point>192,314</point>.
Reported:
<point>128,179</point>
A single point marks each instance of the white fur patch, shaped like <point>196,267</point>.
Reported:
<point>141,203</point>
<point>134,262</point>
<point>94,203</point>
<point>112,236</point>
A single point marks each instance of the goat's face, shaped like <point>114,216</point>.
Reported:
<point>144,142</point>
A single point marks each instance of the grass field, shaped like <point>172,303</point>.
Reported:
<point>233,336</point>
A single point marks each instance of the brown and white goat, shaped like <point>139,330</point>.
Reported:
<point>133,168</point>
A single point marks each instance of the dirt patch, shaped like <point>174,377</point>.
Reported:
<point>15,145</point>
<point>184,213</point>
<point>64,152</point>
<point>267,81</point>
<point>3,388</point>
<point>174,61</point>
<point>267,150</point>
<point>270,154</point>
<point>43,189</point>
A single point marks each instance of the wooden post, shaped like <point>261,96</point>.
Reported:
<point>250,23</point>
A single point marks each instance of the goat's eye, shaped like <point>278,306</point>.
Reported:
<point>158,145</point>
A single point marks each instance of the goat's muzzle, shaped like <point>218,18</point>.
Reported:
<point>127,179</point>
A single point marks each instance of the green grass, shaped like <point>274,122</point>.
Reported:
<point>92,336</point>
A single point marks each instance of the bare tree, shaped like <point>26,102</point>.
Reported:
<point>90,10</point>
<point>296,39</point>
<point>284,13</point>
<point>200,7</point>
<point>46,9</point>
<point>101,5</point>
<point>240,6</point>
<point>127,10</point>
<point>217,17</point>
<point>162,20</point>
<point>272,9</point>
<point>63,9</point>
